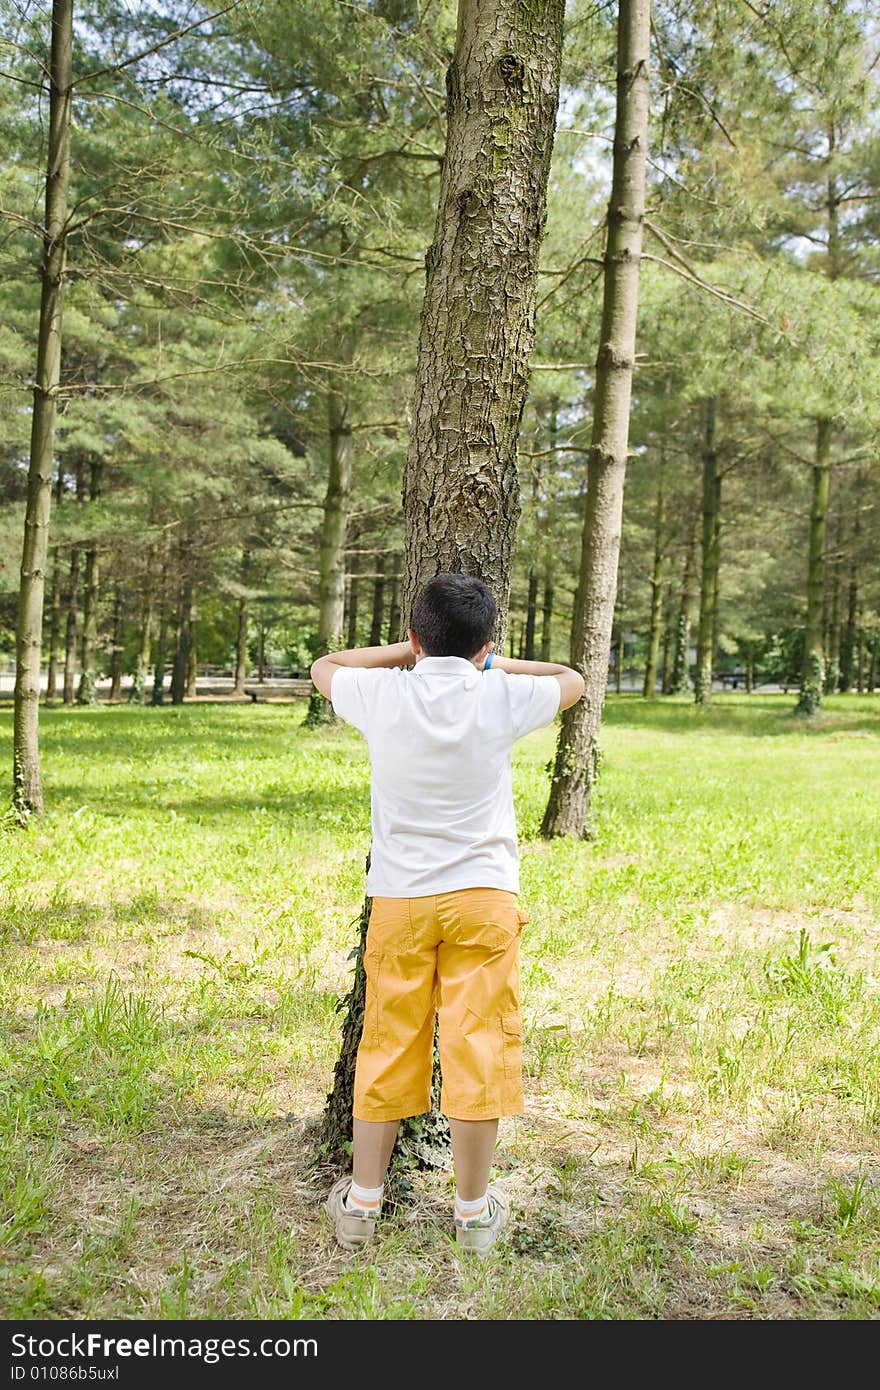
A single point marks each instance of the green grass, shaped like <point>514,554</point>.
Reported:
<point>700,994</point>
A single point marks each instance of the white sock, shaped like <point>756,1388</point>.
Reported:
<point>466,1211</point>
<point>368,1199</point>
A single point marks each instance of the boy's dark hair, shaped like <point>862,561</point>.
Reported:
<point>454,615</point>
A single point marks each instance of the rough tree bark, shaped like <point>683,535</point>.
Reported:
<point>331,590</point>
<point>709,570</point>
<point>27,792</point>
<point>477,326</point>
<point>576,759</point>
<point>813,665</point>
<point>658,579</point>
<point>460,494</point>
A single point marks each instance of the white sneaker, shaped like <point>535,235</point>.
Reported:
<point>353,1228</point>
<point>480,1233</point>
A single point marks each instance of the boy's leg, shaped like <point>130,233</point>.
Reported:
<point>373,1146</point>
<point>473,1148</point>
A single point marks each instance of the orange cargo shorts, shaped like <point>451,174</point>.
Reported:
<point>455,955</point>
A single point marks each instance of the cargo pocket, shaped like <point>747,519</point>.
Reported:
<point>512,1046</point>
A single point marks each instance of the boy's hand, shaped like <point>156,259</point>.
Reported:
<point>480,658</point>
<point>397,654</point>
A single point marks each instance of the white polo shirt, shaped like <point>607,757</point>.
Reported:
<point>439,738</point>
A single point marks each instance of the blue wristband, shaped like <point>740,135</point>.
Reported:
<point>490,656</point>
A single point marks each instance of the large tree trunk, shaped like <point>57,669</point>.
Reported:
<point>331,590</point>
<point>658,578</point>
<point>680,681</point>
<point>27,793</point>
<point>378,603</point>
<point>576,755</point>
<point>460,494</point>
<point>813,666</point>
<point>709,570</point>
<point>460,486</point>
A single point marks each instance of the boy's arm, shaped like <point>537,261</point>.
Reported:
<point>323,670</point>
<point>571,682</point>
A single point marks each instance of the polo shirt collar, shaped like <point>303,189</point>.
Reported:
<point>445,665</point>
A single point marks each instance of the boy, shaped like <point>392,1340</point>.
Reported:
<point>444,928</point>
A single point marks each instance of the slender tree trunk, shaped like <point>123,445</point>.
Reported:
<point>54,627</point>
<point>531,614</point>
<point>87,693</point>
<point>180,665</point>
<point>665,673</point>
<point>394,617</point>
<point>576,761</point>
<point>27,793</point>
<point>873,653</point>
<point>331,591</point>
<point>813,667</point>
<point>351,614</point>
<point>158,695</point>
<point>547,615</point>
<point>118,645</point>
<point>460,484</point>
<point>261,654</point>
<point>138,693</point>
<point>680,682</point>
<point>192,669</point>
<point>832,640</point>
<point>55,602</point>
<point>377,624</point>
<point>618,663</point>
<point>709,573</point>
<point>860,660</point>
<point>70,628</point>
<point>750,668</point>
<point>848,641</point>
<point>658,579</point>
